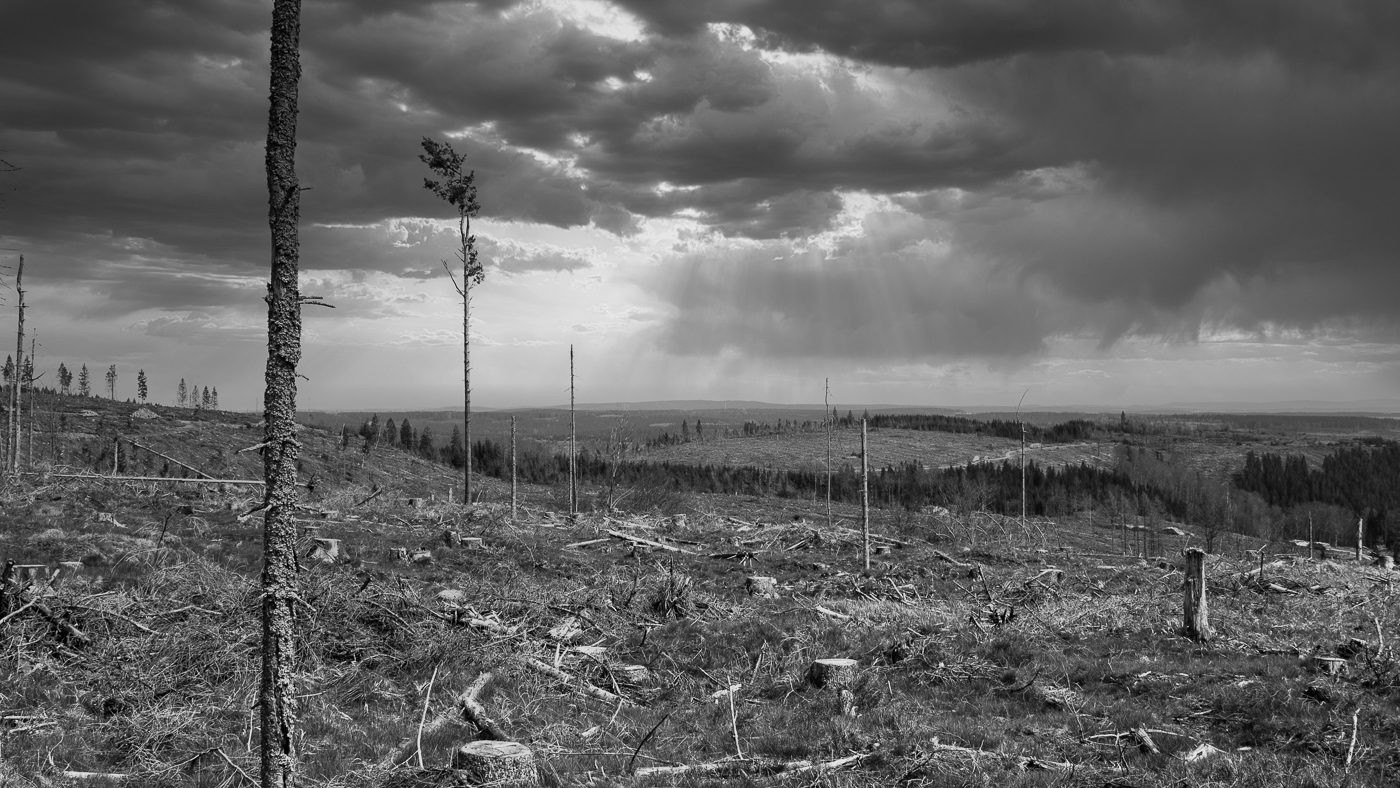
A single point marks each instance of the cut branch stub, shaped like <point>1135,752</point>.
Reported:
<point>495,763</point>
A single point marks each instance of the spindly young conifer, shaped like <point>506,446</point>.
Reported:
<point>458,187</point>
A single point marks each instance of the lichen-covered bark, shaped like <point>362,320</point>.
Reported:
<point>279,579</point>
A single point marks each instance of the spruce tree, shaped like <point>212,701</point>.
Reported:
<point>84,382</point>
<point>406,436</point>
<point>65,379</point>
<point>214,398</point>
<point>182,394</point>
<point>141,385</point>
<point>112,382</point>
<point>458,188</point>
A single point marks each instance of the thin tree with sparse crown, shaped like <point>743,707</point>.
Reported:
<point>458,188</point>
<point>141,390</point>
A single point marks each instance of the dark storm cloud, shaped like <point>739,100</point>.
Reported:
<point>1149,166</point>
<point>917,34</point>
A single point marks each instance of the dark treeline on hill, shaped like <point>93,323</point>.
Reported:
<point>1065,432</point>
<point>990,487</point>
<point>1360,478</point>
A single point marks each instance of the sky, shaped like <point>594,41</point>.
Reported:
<point>957,203</point>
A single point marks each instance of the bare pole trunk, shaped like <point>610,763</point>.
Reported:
<point>1360,534</point>
<point>573,441</point>
<point>12,458</point>
<point>865,493</point>
<point>826,417</point>
<point>1023,473</point>
<point>29,455</point>
<point>467,382</point>
<point>512,469</point>
<point>277,694</point>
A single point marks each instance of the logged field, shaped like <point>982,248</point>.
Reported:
<point>635,650</point>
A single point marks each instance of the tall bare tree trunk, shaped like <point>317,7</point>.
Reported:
<point>865,493</point>
<point>12,458</point>
<point>29,455</point>
<point>277,696</point>
<point>467,385</point>
<point>573,441</point>
<point>826,417</point>
<point>512,469</point>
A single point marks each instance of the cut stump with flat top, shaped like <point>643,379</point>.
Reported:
<point>760,586</point>
<point>327,551</point>
<point>495,763</point>
<point>837,674</point>
<point>833,673</point>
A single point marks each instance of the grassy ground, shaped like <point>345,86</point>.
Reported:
<point>979,666</point>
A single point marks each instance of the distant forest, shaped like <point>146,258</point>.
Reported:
<point>1271,496</point>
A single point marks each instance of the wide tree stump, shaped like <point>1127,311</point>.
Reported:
<point>759,586</point>
<point>834,673</point>
<point>327,551</point>
<point>495,763</point>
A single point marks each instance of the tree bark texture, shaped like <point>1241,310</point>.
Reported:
<point>277,696</point>
<point>1197,614</point>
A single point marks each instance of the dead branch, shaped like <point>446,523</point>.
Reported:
<point>597,693</point>
<point>471,710</point>
<point>171,459</point>
<point>649,543</point>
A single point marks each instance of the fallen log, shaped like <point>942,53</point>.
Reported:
<point>649,543</point>
<point>598,693</point>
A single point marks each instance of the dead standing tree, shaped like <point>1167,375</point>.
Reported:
<point>458,188</point>
<point>12,458</point>
<point>277,695</point>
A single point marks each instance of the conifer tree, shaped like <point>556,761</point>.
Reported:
<point>391,433</point>
<point>112,382</point>
<point>141,385</point>
<point>84,382</point>
<point>406,436</point>
<point>182,394</point>
<point>204,399</point>
<point>214,398</point>
<point>458,188</point>
<point>65,379</point>
<point>9,369</point>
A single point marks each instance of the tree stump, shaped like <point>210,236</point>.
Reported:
<point>838,674</point>
<point>495,763</point>
<point>766,587</point>
<point>452,596</point>
<point>473,543</point>
<point>881,549</point>
<point>678,520</point>
<point>327,551</point>
<point>632,674</point>
<point>1196,613</point>
<point>567,630</point>
<point>421,557</point>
